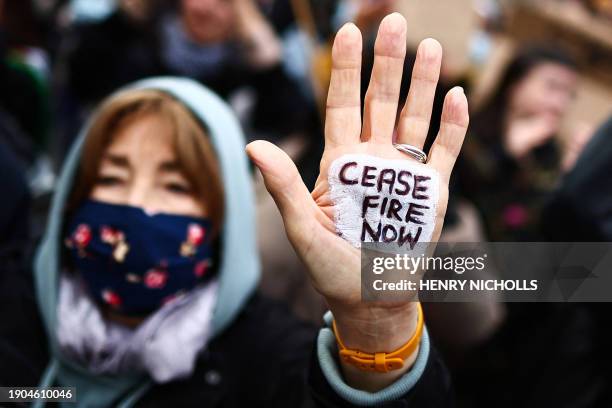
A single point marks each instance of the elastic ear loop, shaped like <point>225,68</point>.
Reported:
<point>382,362</point>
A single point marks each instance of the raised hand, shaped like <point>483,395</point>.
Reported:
<point>525,134</point>
<point>262,46</point>
<point>311,219</point>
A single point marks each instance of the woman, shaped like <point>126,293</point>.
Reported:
<point>512,162</point>
<point>509,169</point>
<point>151,303</point>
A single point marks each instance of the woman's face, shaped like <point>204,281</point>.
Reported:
<point>547,90</point>
<point>140,168</point>
<point>208,21</point>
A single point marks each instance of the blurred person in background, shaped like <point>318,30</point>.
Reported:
<point>513,158</point>
<point>583,202</point>
<point>25,101</point>
<point>226,45</point>
<point>145,278</point>
<point>24,127</point>
<point>24,72</point>
<point>512,165</point>
<point>572,367</point>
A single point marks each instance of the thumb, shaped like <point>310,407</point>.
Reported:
<point>283,182</point>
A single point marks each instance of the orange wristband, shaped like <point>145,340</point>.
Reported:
<point>382,362</point>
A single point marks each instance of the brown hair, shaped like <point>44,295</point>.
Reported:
<point>195,154</point>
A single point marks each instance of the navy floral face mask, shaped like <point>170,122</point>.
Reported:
<point>133,262</point>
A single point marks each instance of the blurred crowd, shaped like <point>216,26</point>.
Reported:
<point>516,179</point>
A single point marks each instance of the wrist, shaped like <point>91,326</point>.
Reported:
<point>248,18</point>
<point>262,47</point>
<point>374,329</point>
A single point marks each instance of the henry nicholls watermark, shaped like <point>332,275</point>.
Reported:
<point>508,271</point>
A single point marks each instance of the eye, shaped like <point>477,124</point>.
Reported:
<point>108,180</point>
<point>178,188</point>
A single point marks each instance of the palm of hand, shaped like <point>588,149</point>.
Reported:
<point>334,264</point>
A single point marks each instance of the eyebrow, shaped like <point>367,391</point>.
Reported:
<point>170,166</point>
<point>117,160</point>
